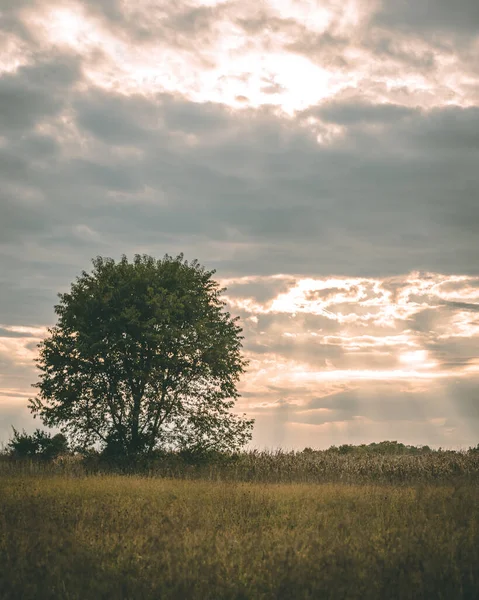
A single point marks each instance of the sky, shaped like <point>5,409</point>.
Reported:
<point>322,156</point>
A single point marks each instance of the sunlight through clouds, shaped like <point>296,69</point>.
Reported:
<point>228,52</point>
<point>404,353</point>
<point>321,155</point>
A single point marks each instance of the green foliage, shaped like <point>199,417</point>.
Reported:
<point>143,356</point>
<point>116,537</point>
<point>381,448</point>
<point>38,445</point>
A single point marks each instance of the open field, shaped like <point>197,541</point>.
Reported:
<point>131,537</point>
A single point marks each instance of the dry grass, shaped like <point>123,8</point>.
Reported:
<point>130,537</point>
<point>279,467</point>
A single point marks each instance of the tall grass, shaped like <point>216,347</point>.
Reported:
<point>308,466</point>
<point>113,537</point>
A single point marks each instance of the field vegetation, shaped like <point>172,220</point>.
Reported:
<point>384,462</point>
<point>372,522</point>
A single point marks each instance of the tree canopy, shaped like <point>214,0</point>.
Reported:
<point>143,356</point>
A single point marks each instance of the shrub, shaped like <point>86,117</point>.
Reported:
<point>40,444</point>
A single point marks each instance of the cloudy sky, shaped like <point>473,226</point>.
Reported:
<point>322,155</point>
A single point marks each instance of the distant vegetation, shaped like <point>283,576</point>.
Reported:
<point>39,445</point>
<point>384,462</point>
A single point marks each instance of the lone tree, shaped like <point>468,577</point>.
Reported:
<point>143,356</point>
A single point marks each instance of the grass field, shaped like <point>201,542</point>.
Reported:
<point>131,537</point>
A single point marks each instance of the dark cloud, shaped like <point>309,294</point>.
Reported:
<point>110,9</point>
<point>344,401</point>
<point>389,47</point>
<point>109,177</point>
<point>366,204</point>
<point>463,306</point>
<point>353,112</point>
<point>264,21</point>
<point>439,16</point>
<point>26,304</point>
<point>451,128</point>
<point>454,352</point>
<point>259,290</point>
<point>324,48</point>
<point>388,403</point>
<point>13,334</point>
<point>20,221</point>
<point>11,22</point>
<point>174,25</point>
<point>109,118</point>
<point>193,21</point>
<point>464,402</point>
<point>457,286</point>
<point>425,320</point>
<point>35,92</point>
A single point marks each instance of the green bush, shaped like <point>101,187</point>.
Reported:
<point>38,445</point>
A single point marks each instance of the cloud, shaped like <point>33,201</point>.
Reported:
<point>179,25</point>
<point>108,118</point>
<point>366,412</point>
<point>436,17</point>
<point>325,163</point>
<point>13,333</point>
<point>35,92</point>
<point>463,305</point>
<point>357,112</point>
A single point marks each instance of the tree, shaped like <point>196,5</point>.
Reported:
<point>38,445</point>
<point>143,356</point>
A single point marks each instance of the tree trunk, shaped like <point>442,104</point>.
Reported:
<point>135,426</point>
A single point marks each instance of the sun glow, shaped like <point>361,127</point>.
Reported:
<point>66,26</point>
<point>417,359</point>
<point>274,65</point>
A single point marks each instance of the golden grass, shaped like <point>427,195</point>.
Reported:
<point>276,467</point>
<point>131,537</point>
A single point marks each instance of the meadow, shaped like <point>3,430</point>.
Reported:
<point>244,529</point>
